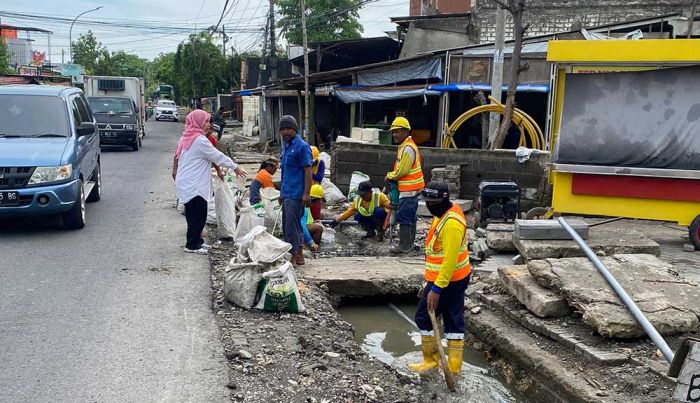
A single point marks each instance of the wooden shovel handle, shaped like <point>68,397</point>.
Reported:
<point>443,363</point>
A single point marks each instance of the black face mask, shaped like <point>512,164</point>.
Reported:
<point>439,209</point>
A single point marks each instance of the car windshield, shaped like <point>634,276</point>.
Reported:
<point>29,115</point>
<point>110,105</point>
<point>166,104</point>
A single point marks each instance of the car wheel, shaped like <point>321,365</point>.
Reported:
<point>96,192</point>
<point>136,145</point>
<point>75,217</point>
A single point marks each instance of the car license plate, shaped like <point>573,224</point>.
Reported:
<point>9,198</point>
<point>110,134</point>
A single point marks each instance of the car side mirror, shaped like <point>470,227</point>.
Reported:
<point>86,128</point>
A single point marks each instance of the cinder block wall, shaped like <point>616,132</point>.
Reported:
<point>476,165</point>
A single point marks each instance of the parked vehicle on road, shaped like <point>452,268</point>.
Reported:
<point>117,121</point>
<point>49,153</point>
<point>132,87</point>
<point>166,109</point>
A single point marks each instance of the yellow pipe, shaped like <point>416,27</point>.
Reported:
<point>523,121</point>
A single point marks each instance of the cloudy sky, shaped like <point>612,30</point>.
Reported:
<point>158,26</point>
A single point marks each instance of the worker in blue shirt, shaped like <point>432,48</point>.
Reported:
<point>296,185</point>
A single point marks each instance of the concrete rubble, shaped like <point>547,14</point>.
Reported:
<point>499,237</point>
<point>670,303</point>
<point>548,229</point>
<point>539,300</point>
<point>604,240</point>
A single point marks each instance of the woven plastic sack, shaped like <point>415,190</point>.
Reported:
<point>211,212</point>
<point>250,217</point>
<point>332,194</point>
<point>355,180</point>
<point>260,246</point>
<point>279,292</point>
<point>273,209</point>
<point>225,204</point>
<point>241,283</point>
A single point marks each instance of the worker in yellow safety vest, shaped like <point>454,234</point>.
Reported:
<point>447,273</point>
<point>370,209</point>
<point>408,175</point>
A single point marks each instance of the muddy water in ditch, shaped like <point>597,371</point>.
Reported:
<point>389,338</point>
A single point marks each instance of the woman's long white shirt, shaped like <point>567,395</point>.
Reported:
<point>194,169</point>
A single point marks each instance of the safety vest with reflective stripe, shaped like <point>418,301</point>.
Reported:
<point>435,255</point>
<point>413,180</point>
<point>373,203</point>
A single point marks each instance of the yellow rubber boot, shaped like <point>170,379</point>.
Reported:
<point>430,355</point>
<point>455,350</point>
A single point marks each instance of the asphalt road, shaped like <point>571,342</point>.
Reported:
<point>115,312</point>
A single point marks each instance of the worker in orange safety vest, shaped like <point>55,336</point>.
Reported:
<point>408,175</point>
<point>447,273</point>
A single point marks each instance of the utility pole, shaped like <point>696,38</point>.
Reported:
<point>272,59</point>
<point>691,21</point>
<point>223,32</point>
<point>497,72</point>
<point>262,56</point>
<point>63,57</point>
<point>307,124</point>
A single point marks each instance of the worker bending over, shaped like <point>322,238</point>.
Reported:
<point>263,179</point>
<point>311,227</point>
<point>447,272</point>
<point>408,174</point>
<point>370,209</point>
<point>318,167</point>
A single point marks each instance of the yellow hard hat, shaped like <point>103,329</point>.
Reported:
<point>400,123</point>
<point>317,191</point>
<point>314,153</point>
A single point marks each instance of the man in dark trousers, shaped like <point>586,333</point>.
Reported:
<point>447,272</point>
<point>296,164</point>
<point>218,119</point>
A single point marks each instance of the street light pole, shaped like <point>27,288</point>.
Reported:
<point>70,31</point>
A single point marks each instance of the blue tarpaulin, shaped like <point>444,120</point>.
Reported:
<point>543,88</point>
<point>363,94</point>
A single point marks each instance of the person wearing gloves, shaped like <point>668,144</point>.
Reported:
<point>370,209</point>
<point>296,184</point>
<point>318,169</point>
<point>195,155</point>
<point>408,176</point>
<point>447,273</point>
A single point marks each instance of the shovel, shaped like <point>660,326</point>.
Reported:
<point>443,363</point>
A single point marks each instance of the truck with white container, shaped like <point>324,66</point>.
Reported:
<point>124,126</point>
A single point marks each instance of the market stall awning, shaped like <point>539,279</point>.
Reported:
<point>363,94</point>
<point>456,87</point>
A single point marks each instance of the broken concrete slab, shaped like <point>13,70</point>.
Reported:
<point>365,276</point>
<point>668,302</point>
<point>539,300</point>
<point>499,237</point>
<point>548,229</point>
<point>493,263</point>
<point>605,241</point>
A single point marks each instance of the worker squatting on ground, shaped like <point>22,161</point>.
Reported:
<point>296,185</point>
<point>408,174</point>
<point>317,193</point>
<point>370,209</point>
<point>263,179</point>
<point>447,272</point>
<point>318,167</point>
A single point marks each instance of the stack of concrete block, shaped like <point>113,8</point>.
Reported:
<point>251,111</point>
<point>449,174</point>
<point>371,135</point>
<point>356,133</point>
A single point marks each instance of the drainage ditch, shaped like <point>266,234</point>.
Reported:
<point>386,332</point>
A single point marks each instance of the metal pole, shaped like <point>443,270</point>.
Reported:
<point>692,20</point>
<point>70,31</point>
<point>626,299</point>
<point>497,72</point>
<point>307,126</point>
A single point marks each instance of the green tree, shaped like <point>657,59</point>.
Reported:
<point>90,53</point>
<point>326,20</point>
<point>4,58</point>
<point>199,68</point>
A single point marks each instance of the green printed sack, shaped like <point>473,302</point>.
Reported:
<point>279,292</point>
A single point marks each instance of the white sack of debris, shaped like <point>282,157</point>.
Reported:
<point>225,205</point>
<point>241,283</point>
<point>280,292</point>
<point>355,180</point>
<point>332,194</point>
<point>251,217</point>
<point>260,246</point>
<point>273,209</point>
